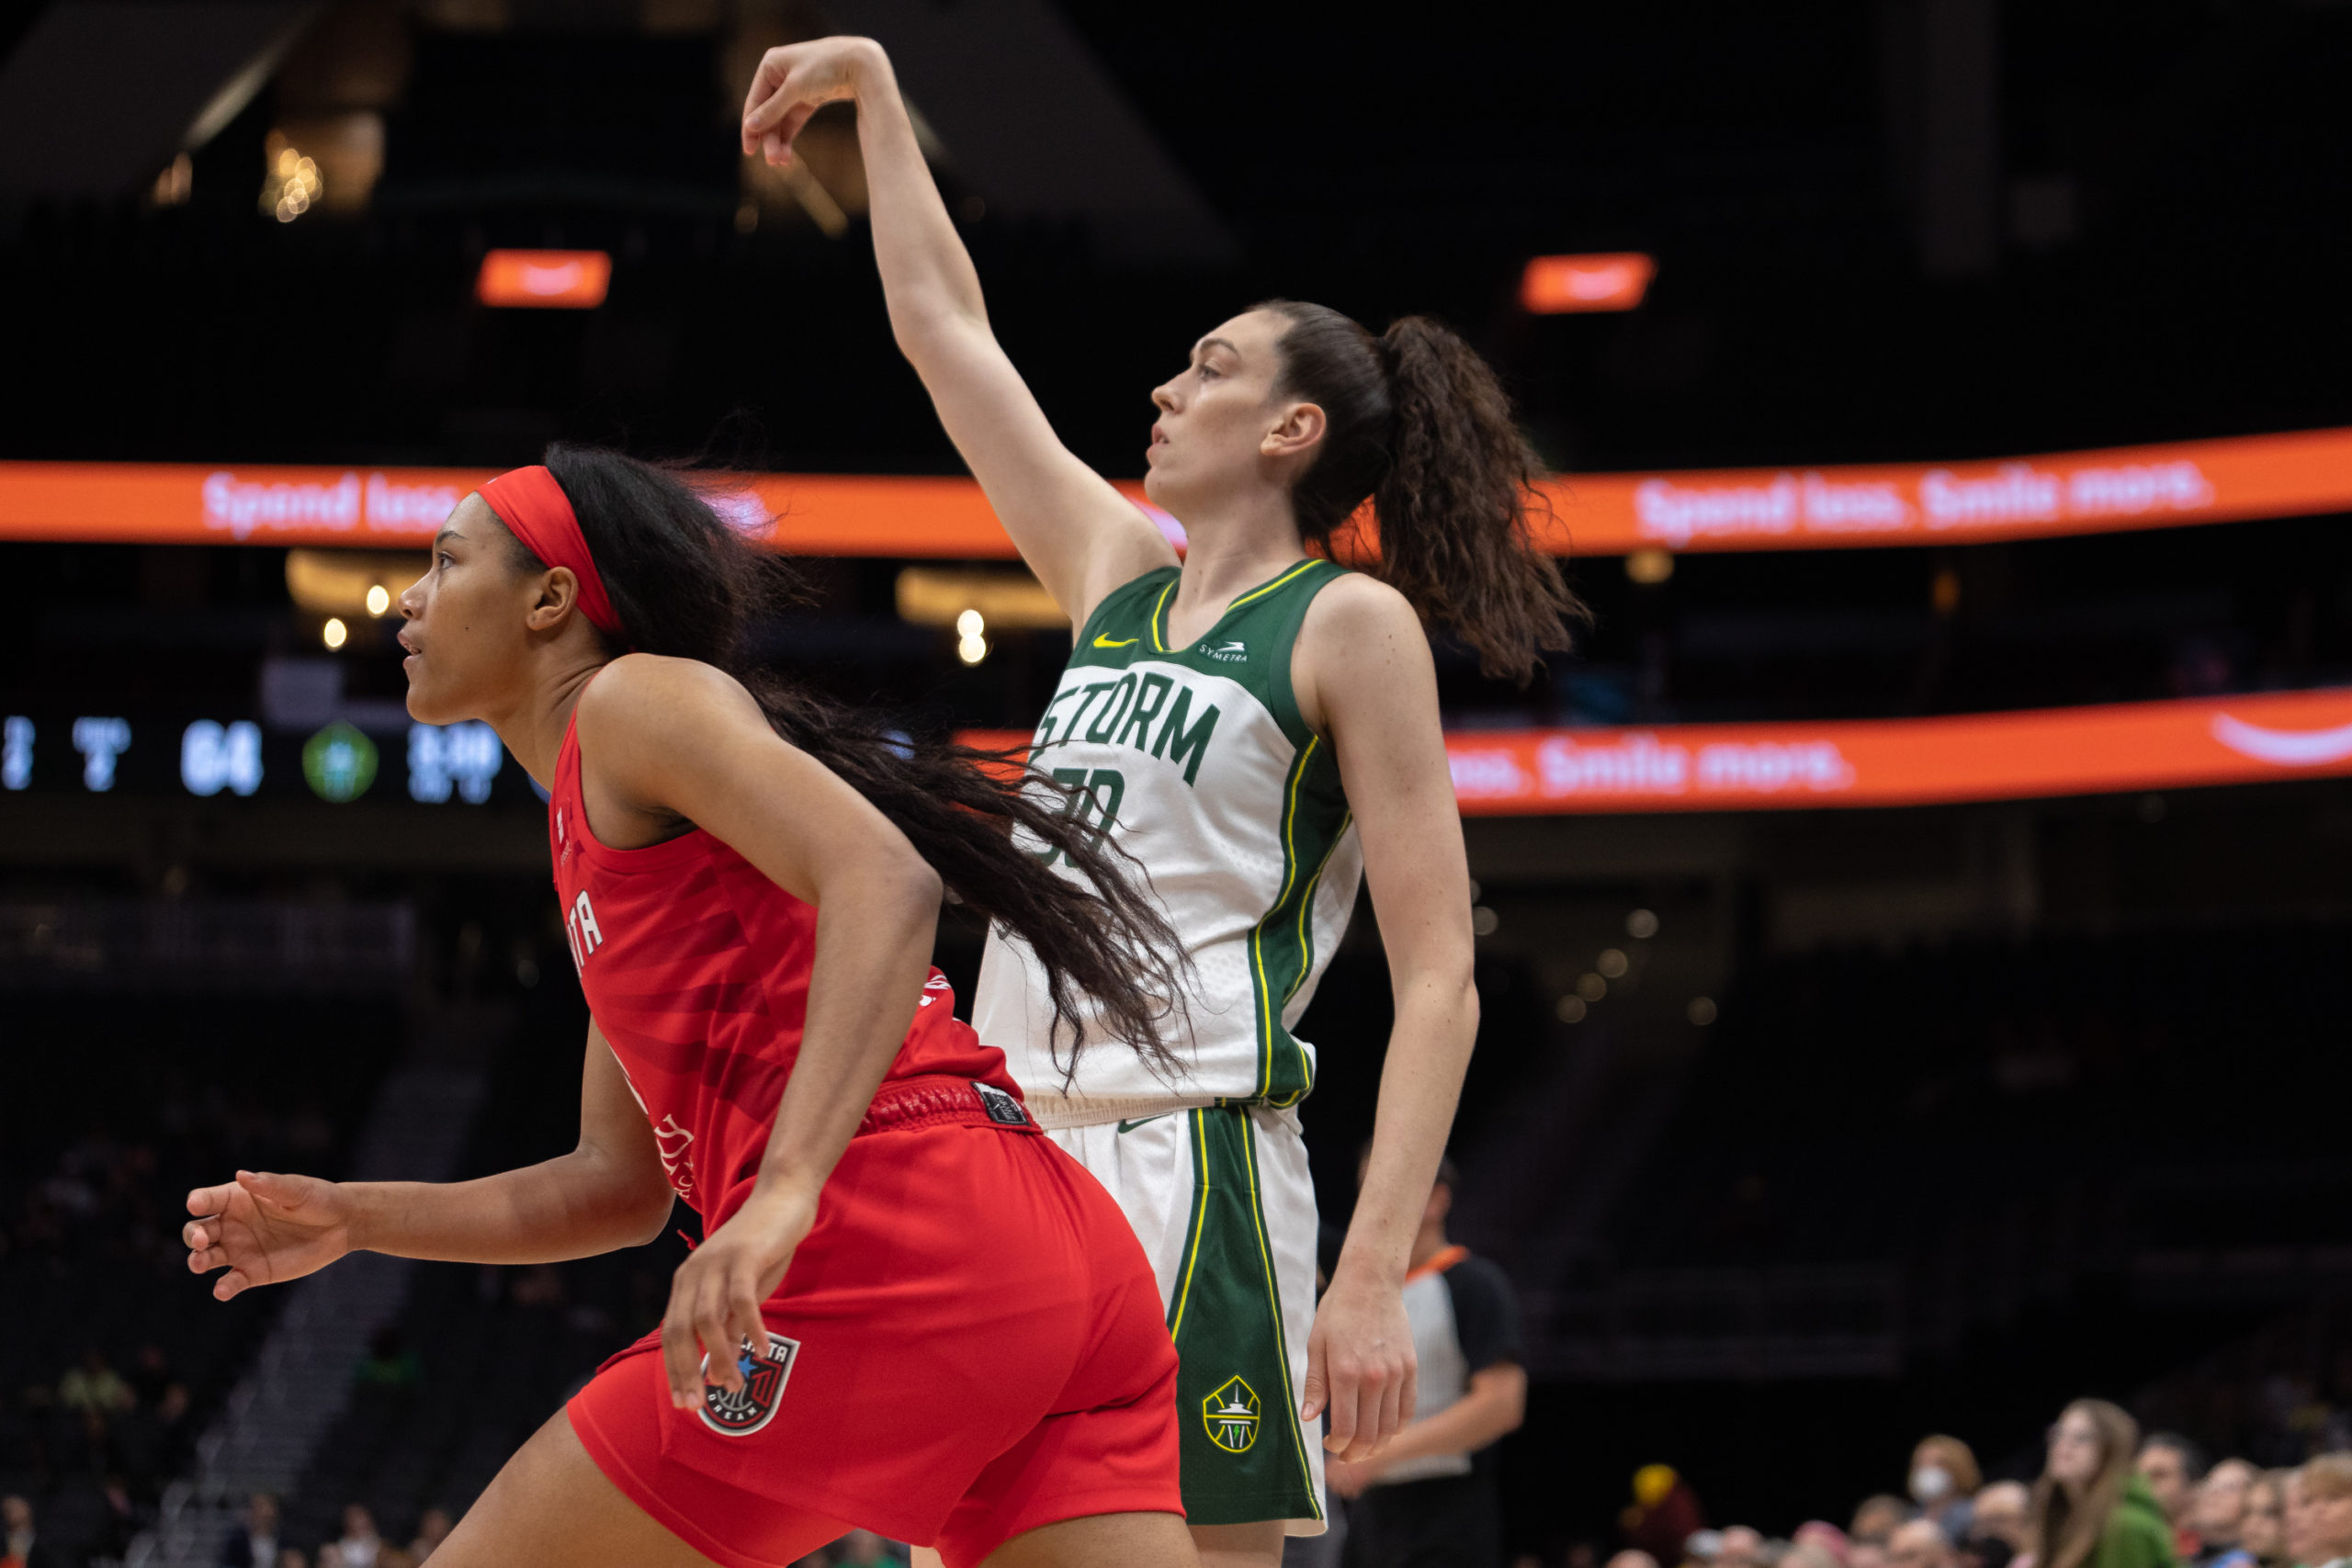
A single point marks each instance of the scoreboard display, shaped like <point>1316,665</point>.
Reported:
<point>229,756</point>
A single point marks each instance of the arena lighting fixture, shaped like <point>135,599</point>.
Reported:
<point>940,596</point>
<point>556,280</point>
<point>1559,285</point>
<point>334,633</point>
<point>351,583</point>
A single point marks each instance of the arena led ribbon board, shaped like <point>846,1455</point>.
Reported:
<point>1831,507</point>
<point>2261,738</point>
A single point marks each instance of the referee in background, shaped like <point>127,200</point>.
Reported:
<point>1429,1499</point>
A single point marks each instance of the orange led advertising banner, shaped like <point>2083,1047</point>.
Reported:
<point>1557,286</point>
<point>1906,761</point>
<point>543,280</point>
<point>2118,747</point>
<point>2016,498</point>
<point>2134,487</point>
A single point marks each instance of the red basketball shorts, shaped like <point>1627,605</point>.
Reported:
<point>969,1345</point>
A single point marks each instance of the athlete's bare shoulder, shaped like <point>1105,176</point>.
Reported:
<point>1359,634</point>
<point>652,698</point>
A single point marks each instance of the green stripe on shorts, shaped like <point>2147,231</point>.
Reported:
<point>1244,1455</point>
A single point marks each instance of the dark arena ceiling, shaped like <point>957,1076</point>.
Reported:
<point>1891,230</point>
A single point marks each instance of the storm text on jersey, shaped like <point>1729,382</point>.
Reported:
<point>1121,713</point>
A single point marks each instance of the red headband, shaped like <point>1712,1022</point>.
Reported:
<point>535,508</point>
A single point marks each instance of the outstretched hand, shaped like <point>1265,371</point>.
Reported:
<point>265,1229</point>
<point>798,80</point>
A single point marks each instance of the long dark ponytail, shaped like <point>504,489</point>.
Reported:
<point>1418,423</point>
<point>687,584</point>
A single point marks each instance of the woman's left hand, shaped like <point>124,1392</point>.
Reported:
<point>715,1297</point>
<point>1360,1364</point>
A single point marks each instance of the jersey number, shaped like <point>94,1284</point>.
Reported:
<point>1092,797</point>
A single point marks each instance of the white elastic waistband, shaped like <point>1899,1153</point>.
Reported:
<point>1056,1111</point>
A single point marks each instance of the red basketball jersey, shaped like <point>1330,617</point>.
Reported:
<point>696,968</point>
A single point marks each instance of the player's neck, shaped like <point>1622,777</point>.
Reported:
<point>1232,548</point>
<point>533,726</point>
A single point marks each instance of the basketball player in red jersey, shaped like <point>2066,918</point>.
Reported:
<point>911,1313</point>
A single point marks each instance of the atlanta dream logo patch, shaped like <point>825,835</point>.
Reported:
<point>738,1413</point>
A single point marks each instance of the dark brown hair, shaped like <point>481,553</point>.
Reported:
<point>1418,423</point>
<point>2067,1525</point>
<point>687,584</point>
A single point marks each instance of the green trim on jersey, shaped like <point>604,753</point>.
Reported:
<point>1251,645</point>
<point>1282,948</point>
<point>1239,1441</point>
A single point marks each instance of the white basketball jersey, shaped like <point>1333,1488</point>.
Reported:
<point>1196,761</point>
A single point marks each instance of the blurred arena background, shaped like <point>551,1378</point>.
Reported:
<point>1948,1023</point>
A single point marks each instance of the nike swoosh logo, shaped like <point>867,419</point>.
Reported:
<point>1131,1126</point>
<point>2287,748</point>
<point>1102,641</point>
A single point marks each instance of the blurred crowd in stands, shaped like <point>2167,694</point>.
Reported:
<point>2107,1497</point>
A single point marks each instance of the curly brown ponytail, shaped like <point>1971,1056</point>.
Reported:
<point>1417,423</point>
<point>687,584</point>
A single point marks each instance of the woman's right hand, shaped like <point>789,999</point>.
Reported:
<point>795,82</point>
<point>265,1229</point>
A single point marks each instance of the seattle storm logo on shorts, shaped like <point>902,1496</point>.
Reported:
<point>1231,1416</point>
<point>740,1413</point>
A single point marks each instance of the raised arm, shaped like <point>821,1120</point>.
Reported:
<point>1081,536</point>
<point>1367,681</point>
<point>607,1193</point>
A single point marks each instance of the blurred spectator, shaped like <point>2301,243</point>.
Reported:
<point>2262,1535</point>
<point>94,1386</point>
<point>2318,1512</point>
<point>1919,1543</point>
<point>151,1374</point>
<point>291,1557</point>
<point>433,1527</point>
<point>1430,1497</point>
<point>119,1522</point>
<point>1740,1547</point>
<point>255,1543</point>
<point>863,1549</point>
<point>2171,1466</point>
<point>1805,1554</point>
<point>1664,1513</point>
<point>20,1544</point>
<point>2218,1511</point>
<point>2001,1513</point>
<point>1879,1518</point>
<point>1822,1537</point>
<point>156,1443</point>
<point>1866,1551</point>
<point>359,1545</point>
<point>2091,1509</point>
<point>1631,1559</point>
<point>1944,1477</point>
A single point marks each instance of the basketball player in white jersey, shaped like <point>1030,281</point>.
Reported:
<point>1258,728</point>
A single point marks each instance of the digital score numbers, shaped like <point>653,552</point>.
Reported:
<point>100,753</point>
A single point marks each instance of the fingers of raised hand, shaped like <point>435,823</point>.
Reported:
<point>206,1202</point>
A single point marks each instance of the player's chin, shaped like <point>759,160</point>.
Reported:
<point>428,706</point>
